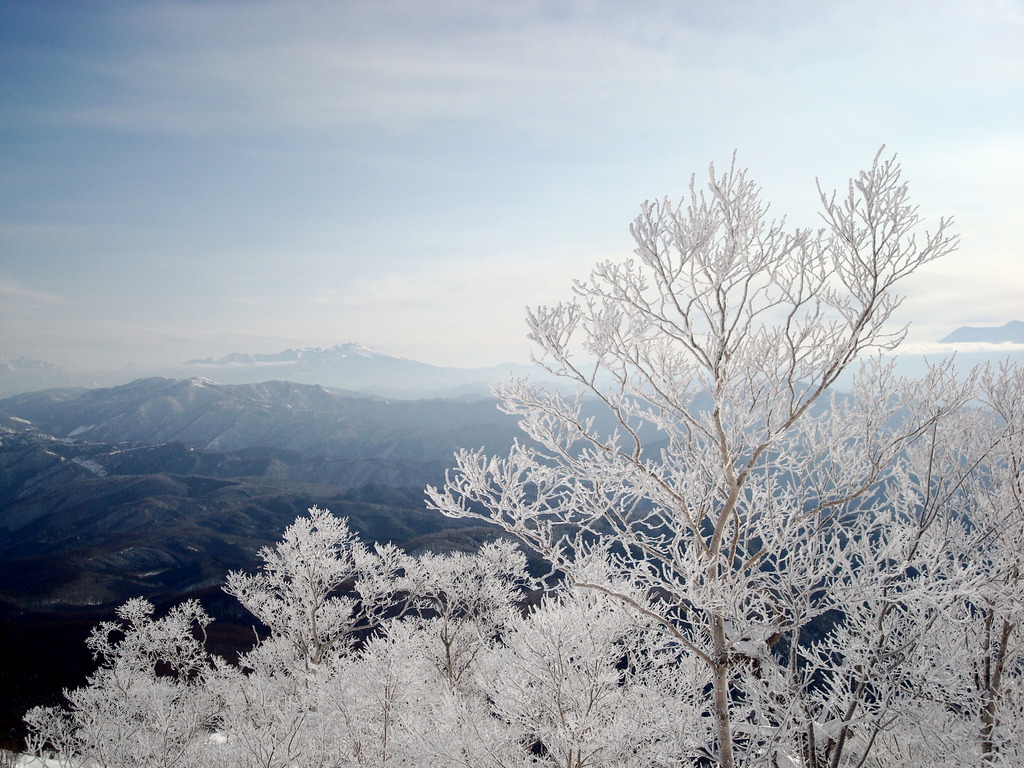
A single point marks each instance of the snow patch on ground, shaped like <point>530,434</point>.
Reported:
<point>92,465</point>
<point>27,761</point>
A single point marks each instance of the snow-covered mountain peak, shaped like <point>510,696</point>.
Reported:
<point>347,351</point>
<point>352,349</point>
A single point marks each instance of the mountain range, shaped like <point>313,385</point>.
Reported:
<point>344,366</point>
<point>81,469</point>
<point>357,368</point>
<point>310,419</point>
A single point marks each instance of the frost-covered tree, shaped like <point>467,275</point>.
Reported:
<point>147,706</point>
<point>998,612</point>
<point>316,590</point>
<point>984,484</point>
<point>298,594</point>
<point>703,451</point>
<point>374,700</point>
<point>465,602</point>
<point>888,580</point>
<point>411,695</point>
<point>270,716</point>
<point>586,685</point>
<point>926,661</point>
<point>369,655</point>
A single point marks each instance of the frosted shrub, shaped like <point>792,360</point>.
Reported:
<point>147,705</point>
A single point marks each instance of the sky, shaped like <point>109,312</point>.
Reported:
<point>189,179</point>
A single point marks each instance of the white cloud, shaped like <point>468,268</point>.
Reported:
<point>14,295</point>
<point>397,65</point>
<point>272,66</point>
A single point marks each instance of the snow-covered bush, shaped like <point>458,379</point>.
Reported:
<point>148,705</point>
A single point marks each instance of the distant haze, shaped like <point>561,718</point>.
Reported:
<point>347,366</point>
<point>358,369</point>
<point>186,180</point>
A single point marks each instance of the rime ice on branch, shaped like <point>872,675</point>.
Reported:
<point>732,491</point>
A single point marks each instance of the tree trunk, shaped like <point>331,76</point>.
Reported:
<point>723,721</point>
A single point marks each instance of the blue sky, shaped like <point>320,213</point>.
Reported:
<point>189,179</point>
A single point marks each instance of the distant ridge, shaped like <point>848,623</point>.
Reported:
<point>350,366</point>
<point>306,418</point>
<point>1012,332</point>
<point>334,354</point>
<point>355,367</point>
